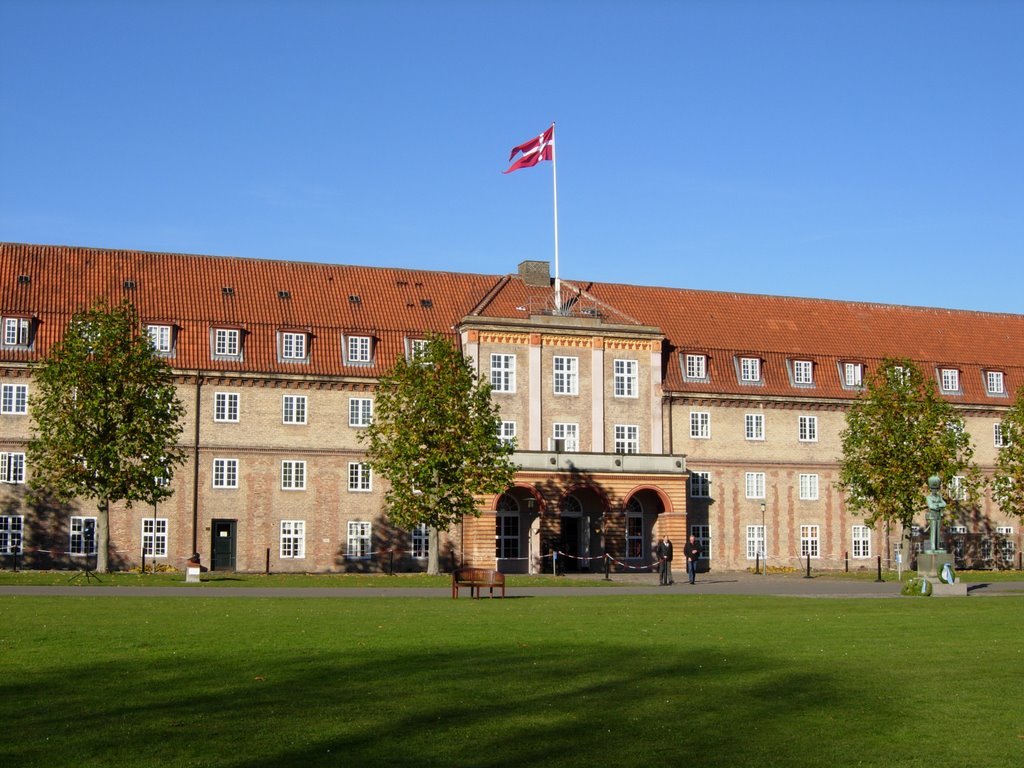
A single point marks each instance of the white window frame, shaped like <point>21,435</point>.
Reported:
<point>293,540</point>
<point>12,530</point>
<point>808,485</point>
<point>803,372</point>
<point>957,488</point>
<point>807,429</point>
<point>293,475</point>
<point>566,375</point>
<point>753,425</point>
<point>507,433</point>
<point>227,342</point>
<point>810,540</point>
<point>294,409</point>
<point>226,407</point>
<point>950,379</point>
<point>860,538</point>
<point>358,540</point>
<point>627,438</point>
<point>853,374</point>
<point>16,331</point>
<point>360,411</point>
<point>154,536</point>
<point>626,375</point>
<point>998,437</point>
<point>417,348</point>
<point>160,337</point>
<point>995,383</point>
<point>420,535</point>
<point>503,373</point>
<point>696,366</point>
<point>755,542</point>
<point>700,425</point>
<point>750,369</point>
<point>225,473</point>
<point>82,536</point>
<point>700,484</point>
<point>569,433</point>
<point>1007,546</point>
<point>359,349</point>
<point>360,477</point>
<point>754,483</point>
<point>12,468</point>
<point>14,399</point>
<point>293,345</point>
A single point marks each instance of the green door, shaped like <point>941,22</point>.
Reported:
<point>223,545</point>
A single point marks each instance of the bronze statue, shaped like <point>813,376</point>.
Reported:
<point>936,507</point>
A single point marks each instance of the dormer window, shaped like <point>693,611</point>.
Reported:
<point>803,373</point>
<point>695,367</point>
<point>293,345</point>
<point>853,374</point>
<point>949,378</point>
<point>227,342</point>
<point>17,331</point>
<point>359,349</point>
<point>750,370</point>
<point>994,384</point>
<point>161,337</point>
<point>416,349</point>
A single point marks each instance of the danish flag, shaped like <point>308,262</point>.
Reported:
<point>536,149</point>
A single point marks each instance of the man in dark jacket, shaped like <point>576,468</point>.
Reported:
<point>693,552</point>
<point>664,553</point>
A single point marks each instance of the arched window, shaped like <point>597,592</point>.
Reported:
<point>571,506</point>
<point>507,503</point>
<point>506,528</point>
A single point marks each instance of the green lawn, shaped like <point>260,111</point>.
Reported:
<point>586,681</point>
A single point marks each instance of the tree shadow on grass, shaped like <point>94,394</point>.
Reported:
<point>503,703</point>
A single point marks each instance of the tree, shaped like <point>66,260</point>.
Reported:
<point>1008,480</point>
<point>106,417</point>
<point>434,436</point>
<point>898,433</point>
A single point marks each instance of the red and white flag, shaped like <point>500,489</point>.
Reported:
<point>536,149</point>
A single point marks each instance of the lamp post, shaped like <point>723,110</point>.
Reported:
<point>764,544</point>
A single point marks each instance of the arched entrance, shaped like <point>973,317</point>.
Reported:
<point>581,514</point>
<point>516,531</point>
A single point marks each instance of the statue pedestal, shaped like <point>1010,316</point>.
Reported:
<point>929,566</point>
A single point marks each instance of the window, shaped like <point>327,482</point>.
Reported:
<point>567,375</point>
<point>702,533</point>
<point>754,426</point>
<point>950,380</point>
<point>755,485</point>
<point>700,425</point>
<point>226,342</point>
<point>83,536</point>
<point>154,536</point>
<point>293,346</point>
<point>627,438</point>
<point>957,488</point>
<point>700,484</point>
<point>503,373</point>
<point>16,331</point>
<point>809,487</point>
<point>807,431</point>
<point>853,374</point>
<point>293,539</point>
<point>420,541</point>
<point>160,338</point>
<point>11,527</point>
<point>294,409</point>
<point>986,548</point>
<point>750,369</point>
<point>225,473</point>
<point>225,406</point>
<point>809,541</point>
<point>696,366</point>
<point>998,437</point>
<point>506,535</point>
<point>569,434</point>
<point>358,543</point>
<point>12,468</point>
<point>861,541</point>
<point>293,475</point>
<point>507,433</point>
<point>1007,547</point>
<point>626,377</point>
<point>360,411</point>
<point>803,372</point>
<point>755,542</point>
<point>359,349</point>
<point>14,399</point>
<point>634,529</point>
<point>417,349</point>
<point>359,477</point>
<point>994,383</point>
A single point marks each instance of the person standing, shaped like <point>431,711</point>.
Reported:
<point>693,552</point>
<point>664,553</point>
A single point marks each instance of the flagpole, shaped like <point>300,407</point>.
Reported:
<point>554,189</point>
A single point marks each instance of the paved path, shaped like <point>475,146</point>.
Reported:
<point>710,584</point>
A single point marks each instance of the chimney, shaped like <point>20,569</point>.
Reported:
<point>535,273</point>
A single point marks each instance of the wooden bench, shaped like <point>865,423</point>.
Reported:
<point>475,579</point>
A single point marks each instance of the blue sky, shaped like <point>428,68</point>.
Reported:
<point>853,150</point>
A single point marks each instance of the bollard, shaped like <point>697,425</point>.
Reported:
<point>847,557</point>
<point>554,562</point>
<point>808,576</point>
<point>143,559</point>
<point>268,561</point>
<point>391,562</point>
<point>757,562</point>
<point>879,579</point>
<point>607,566</point>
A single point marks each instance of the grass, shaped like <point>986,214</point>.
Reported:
<point>606,680</point>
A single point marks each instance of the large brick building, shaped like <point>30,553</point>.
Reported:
<point>635,411</point>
